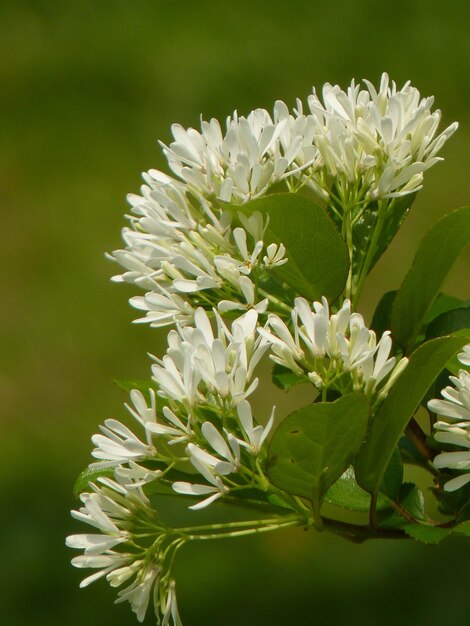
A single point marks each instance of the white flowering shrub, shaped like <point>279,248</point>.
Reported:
<point>258,248</point>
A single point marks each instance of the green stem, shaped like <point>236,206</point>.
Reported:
<point>418,438</point>
<point>358,534</point>
<point>242,524</point>
<point>248,531</point>
<point>278,303</point>
<point>347,227</point>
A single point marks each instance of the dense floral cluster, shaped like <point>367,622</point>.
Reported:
<point>357,147</point>
<point>205,267</point>
<point>336,351</point>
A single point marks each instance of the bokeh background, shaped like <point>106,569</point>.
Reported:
<point>86,89</point>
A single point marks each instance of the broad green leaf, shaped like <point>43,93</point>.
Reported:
<point>345,492</point>
<point>284,378</point>
<point>449,322</point>
<point>393,477</point>
<point>318,257</point>
<point>435,256</point>
<point>442,304</point>
<point>453,503</point>
<point>90,475</point>
<point>457,323</point>
<point>399,407</point>
<point>427,534</point>
<point>382,318</point>
<point>408,451</point>
<point>313,447</point>
<point>408,505</point>
<point>462,529</point>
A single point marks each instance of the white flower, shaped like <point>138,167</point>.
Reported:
<point>163,308</point>
<point>135,475</point>
<point>118,444</point>
<point>170,614</point>
<point>248,290</point>
<point>138,592</point>
<point>202,367</point>
<point>117,510</point>
<point>106,564</point>
<point>352,148</point>
<point>464,356</point>
<point>109,508</point>
<point>383,139</point>
<point>275,255</point>
<point>180,246</point>
<point>455,460</point>
<point>94,544</point>
<point>323,346</point>
<point>256,434</point>
<point>456,403</point>
<point>212,469</point>
<point>454,430</point>
<point>236,166</point>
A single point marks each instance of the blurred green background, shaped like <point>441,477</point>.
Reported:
<point>87,88</point>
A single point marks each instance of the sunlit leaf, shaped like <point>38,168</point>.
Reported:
<point>318,257</point>
<point>313,447</point>
<point>434,258</point>
<point>399,407</point>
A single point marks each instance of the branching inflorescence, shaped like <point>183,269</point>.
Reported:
<point>215,250</point>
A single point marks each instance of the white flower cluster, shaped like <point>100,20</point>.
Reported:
<point>201,371</point>
<point>118,513</point>
<point>182,250</point>
<point>454,430</point>
<point>198,255</point>
<point>378,142</point>
<point>384,138</point>
<point>204,375</point>
<point>238,165</point>
<point>324,347</point>
<point>353,148</point>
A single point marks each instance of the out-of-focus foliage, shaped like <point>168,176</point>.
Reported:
<point>86,89</point>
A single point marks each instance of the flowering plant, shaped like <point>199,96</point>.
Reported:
<point>258,247</point>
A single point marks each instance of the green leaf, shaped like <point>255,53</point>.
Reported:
<point>382,318</point>
<point>457,323</point>
<point>436,255</point>
<point>399,407</point>
<point>409,504</point>
<point>365,225</point>
<point>462,529</point>
<point>449,322</point>
<point>396,214</point>
<point>408,451</point>
<point>284,378</point>
<point>90,475</point>
<point>313,447</point>
<point>453,503</point>
<point>346,493</point>
<point>427,534</point>
<point>442,304</point>
<point>393,477</point>
<point>318,257</point>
